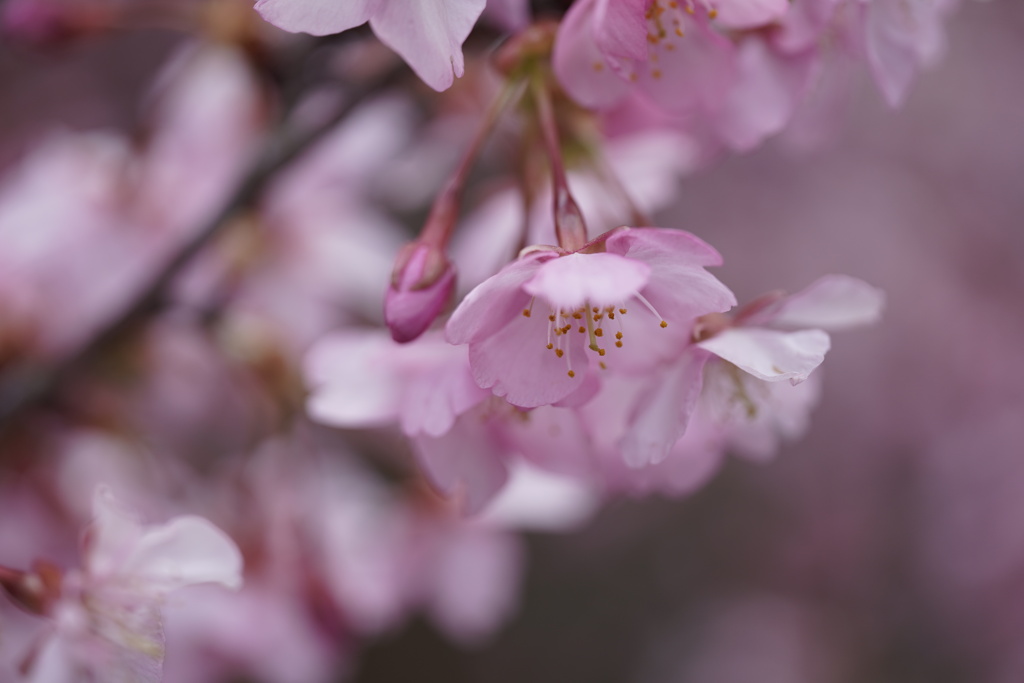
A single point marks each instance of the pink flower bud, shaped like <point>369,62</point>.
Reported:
<point>421,286</point>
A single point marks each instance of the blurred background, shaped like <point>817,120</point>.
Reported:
<point>885,546</point>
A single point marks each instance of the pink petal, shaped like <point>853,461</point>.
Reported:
<point>516,364</point>
<point>466,462</point>
<point>318,17</point>
<point>902,36</point>
<point>575,280</point>
<point>769,88</point>
<point>769,354</point>
<point>474,584</point>
<point>493,303</point>
<point>834,302</point>
<point>185,551</point>
<point>112,537</point>
<point>663,412</point>
<point>620,28</point>
<point>428,34</point>
<point>354,382</point>
<point>696,74</point>
<point>663,245</point>
<point>537,500</point>
<point>580,65</point>
<point>746,14</point>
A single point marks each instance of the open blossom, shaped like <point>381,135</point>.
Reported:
<point>428,34</point>
<point>667,49</point>
<point>535,328</point>
<point>106,616</point>
<point>786,339</point>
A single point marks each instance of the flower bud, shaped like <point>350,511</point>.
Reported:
<point>421,286</point>
<point>33,591</point>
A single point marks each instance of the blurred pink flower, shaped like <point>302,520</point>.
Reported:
<point>605,48</point>
<point>106,616</point>
<point>537,357</point>
<point>757,340</point>
<point>428,34</point>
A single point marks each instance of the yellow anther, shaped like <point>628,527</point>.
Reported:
<point>600,352</point>
<point>713,13</point>
<point>526,312</point>
<point>559,352</point>
<point>603,366</point>
<point>664,324</point>
<point>679,32</point>
<point>599,332</point>
<point>551,346</point>
<point>622,311</point>
<point>618,344</point>
<point>551,317</point>
<point>571,373</point>
<point>577,315</point>
<point>618,335</point>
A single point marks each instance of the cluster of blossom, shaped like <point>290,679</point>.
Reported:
<point>543,352</point>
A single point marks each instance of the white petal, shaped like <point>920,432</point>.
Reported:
<point>599,279</point>
<point>835,302</point>
<point>771,355</point>
<point>428,34</point>
<point>186,550</point>
<point>318,17</point>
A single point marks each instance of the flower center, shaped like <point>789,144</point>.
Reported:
<point>591,321</point>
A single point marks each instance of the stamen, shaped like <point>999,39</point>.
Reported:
<point>651,308</point>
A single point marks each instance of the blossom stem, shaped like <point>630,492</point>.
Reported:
<point>444,212</point>
<point>570,228</point>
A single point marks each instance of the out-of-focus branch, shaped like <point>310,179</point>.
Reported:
<point>24,386</point>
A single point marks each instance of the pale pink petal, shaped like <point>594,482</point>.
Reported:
<point>620,28</point>
<point>428,34</point>
<point>663,412</point>
<point>185,551</point>
<point>475,582</point>
<point>465,463</point>
<point>902,36</point>
<point>579,64</point>
<point>746,14</point>
<point>552,438</point>
<point>537,500</point>
<point>663,245</point>
<point>769,354</point>
<point>318,17</point>
<point>494,302</point>
<point>769,87</point>
<point>697,73</point>
<point>834,302</point>
<point>112,537</point>
<point>434,397</point>
<point>516,364</point>
<point>571,281</point>
<point>354,383</point>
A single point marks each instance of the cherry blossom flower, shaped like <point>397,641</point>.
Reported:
<point>428,34</point>
<point>771,340</point>
<point>106,616</point>
<point>529,327</point>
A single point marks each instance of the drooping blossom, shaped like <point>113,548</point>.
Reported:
<point>529,326</point>
<point>428,34</point>
<point>726,373</point>
<point>106,616</point>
